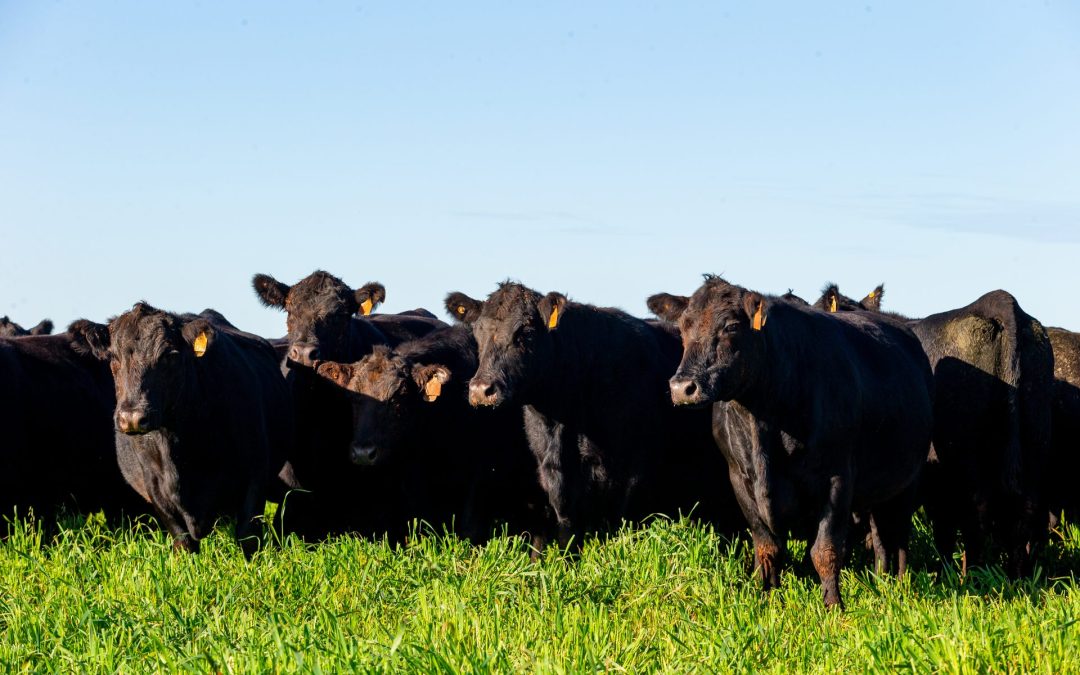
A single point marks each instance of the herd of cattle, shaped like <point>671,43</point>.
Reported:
<point>829,422</point>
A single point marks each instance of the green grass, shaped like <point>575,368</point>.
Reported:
<point>672,597</point>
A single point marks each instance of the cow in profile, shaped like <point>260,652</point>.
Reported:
<point>57,451</point>
<point>327,320</point>
<point>608,443</point>
<point>819,416</point>
<point>203,418</point>
<point>456,465</point>
<point>9,328</point>
<point>993,405</point>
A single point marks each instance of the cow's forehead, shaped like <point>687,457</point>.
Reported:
<point>511,301</point>
<point>145,326</point>
<point>319,291</point>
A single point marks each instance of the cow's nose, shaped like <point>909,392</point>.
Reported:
<point>304,354</point>
<point>364,455</point>
<point>131,421</point>
<point>684,391</point>
<point>484,393</point>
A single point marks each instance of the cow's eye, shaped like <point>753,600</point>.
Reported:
<point>732,327</point>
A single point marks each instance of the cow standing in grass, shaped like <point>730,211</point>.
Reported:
<point>203,418</point>
<point>608,443</point>
<point>818,416</point>
<point>455,465</point>
<point>328,320</point>
<point>57,450</point>
<point>994,401</point>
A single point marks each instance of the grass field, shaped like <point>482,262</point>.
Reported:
<point>671,596</point>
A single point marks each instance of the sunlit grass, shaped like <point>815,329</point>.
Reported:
<point>672,596</point>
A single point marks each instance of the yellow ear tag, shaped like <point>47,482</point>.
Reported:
<point>432,389</point>
<point>461,309</point>
<point>199,345</point>
<point>832,305</point>
<point>366,306</point>
<point>759,320</point>
<point>871,295</point>
<point>554,319</point>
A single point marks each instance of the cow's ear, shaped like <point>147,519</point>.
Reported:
<point>463,308</point>
<point>872,301</point>
<point>90,338</point>
<point>551,308</point>
<point>199,334</point>
<point>271,292</point>
<point>756,308</point>
<point>340,374</point>
<point>369,296</point>
<point>43,328</point>
<point>830,298</point>
<point>430,378</point>
<point>667,306</point>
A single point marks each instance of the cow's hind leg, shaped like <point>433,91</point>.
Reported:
<point>829,544</point>
<point>890,528</point>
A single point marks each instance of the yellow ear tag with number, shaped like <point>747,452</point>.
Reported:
<point>366,306</point>
<point>200,344</point>
<point>759,320</point>
<point>432,389</point>
<point>832,305</point>
<point>554,319</point>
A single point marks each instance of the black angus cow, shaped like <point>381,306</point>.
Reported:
<point>454,464</point>
<point>1065,454</point>
<point>993,379</point>
<point>608,443</point>
<point>818,416</point>
<point>57,449</point>
<point>9,328</point>
<point>203,418</point>
<point>328,320</point>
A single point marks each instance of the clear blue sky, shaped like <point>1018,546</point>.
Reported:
<point>168,151</point>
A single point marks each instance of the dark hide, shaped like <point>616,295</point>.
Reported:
<point>56,406</point>
<point>993,373</point>
<point>819,415</point>
<point>9,328</point>
<point>203,418</point>
<point>323,324</point>
<point>608,442</point>
<point>455,465</point>
<point>1065,454</point>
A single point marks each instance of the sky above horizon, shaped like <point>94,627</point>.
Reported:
<point>168,151</point>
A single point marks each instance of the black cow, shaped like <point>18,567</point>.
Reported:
<point>328,320</point>
<point>57,448</point>
<point>608,442</point>
<point>993,378</point>
<point>203,418</point>
<point>9,328</point>
<point>818,416</point>
<point>1065,454</point>
<point>455,464</point>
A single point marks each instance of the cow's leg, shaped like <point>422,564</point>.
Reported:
<point>828,549</point>
<point>248,520</point>
<point>890,528</point>
<point>768,557</point>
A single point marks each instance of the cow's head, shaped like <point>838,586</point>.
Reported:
<point>319,312</point>
<point>153,356</point>
<point>832,300</point>
<point>388,392</point>
<point>722,333</point>
<point>9,328</point>
<point>513,334</point>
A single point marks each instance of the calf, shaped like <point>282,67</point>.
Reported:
<point>608,443</point>
<point>57,449</point>
<point>993,377</point>
<point>818,416</point>
<point>203,418</point>
<point>9,328</point>
<point>456,465</point>
<point>328,320</point>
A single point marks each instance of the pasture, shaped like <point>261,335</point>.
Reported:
<point>671,596</point>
